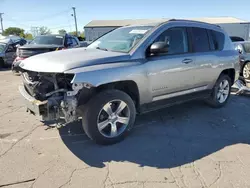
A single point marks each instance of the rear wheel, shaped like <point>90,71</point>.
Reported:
<point>221,92</point>
<point>109,116</point>
<point>246,70</point>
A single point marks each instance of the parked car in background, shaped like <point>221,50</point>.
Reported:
<point>8,48</point>
<point>43,44</point>
<point>244,50</point>
<point>129,71</point>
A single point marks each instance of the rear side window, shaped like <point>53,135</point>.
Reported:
<point>200,40</point>
<point>218,40</point>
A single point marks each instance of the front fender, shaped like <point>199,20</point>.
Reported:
<point>108,73</point>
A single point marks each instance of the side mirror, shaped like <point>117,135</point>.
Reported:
<point>158,48</point>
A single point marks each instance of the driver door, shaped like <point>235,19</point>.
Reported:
<point>171,72</point>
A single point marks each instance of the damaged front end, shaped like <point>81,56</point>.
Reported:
<point>51,95</point>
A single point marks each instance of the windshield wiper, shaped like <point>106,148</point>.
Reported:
<point>104,49</point>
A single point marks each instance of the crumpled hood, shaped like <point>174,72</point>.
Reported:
<point>64,60</point>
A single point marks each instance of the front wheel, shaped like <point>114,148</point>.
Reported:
<point>221,92</point>
<point>108,116</point>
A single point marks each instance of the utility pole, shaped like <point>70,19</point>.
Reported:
<point>1,20</point>
<point>74,9</point>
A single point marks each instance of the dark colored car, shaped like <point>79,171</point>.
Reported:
<point>8,50</point>
<point>244,50</point>
<point>43,44</point>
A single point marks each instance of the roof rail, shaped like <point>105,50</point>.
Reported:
<point>193,21</point>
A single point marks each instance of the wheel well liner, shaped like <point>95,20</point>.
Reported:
<point>230,73</point>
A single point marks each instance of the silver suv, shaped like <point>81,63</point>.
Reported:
<point>129,71</point>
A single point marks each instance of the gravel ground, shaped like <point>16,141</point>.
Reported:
<point>189,145</point>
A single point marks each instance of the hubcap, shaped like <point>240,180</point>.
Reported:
<point>223,91</point>
<point>113,118</point>
<point>246,71</point>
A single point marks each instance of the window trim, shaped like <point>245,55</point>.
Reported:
<point>184,28</point>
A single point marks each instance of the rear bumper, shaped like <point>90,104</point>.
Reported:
<point>34,106</point>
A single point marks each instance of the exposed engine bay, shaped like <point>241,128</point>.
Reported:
<point>59,95</point>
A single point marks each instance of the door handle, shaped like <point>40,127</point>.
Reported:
<point>186,61</point>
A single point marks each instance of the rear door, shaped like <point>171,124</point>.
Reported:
<point>206,60</point>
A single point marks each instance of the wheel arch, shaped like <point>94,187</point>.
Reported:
<point>130,87</point>
<point>230,72</point>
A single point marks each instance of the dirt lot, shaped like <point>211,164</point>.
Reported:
<point>190,145</point>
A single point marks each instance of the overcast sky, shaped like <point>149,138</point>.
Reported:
<point>56,14</point>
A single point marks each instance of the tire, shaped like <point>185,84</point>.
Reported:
<point>214,100</point>
<point>246,71</point>
<point>95,119</point>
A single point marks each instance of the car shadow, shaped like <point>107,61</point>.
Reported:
<point>170,137</point>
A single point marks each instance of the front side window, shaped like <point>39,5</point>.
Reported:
<point>200,40</point>
<point>48,40</point>
<point>122,39</point>
<point>175,39</point>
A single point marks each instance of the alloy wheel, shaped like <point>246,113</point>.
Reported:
<point>223,91</point>
<point>113,118</point>
<point>246,71</point>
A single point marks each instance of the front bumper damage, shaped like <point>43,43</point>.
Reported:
<point>54,108</point>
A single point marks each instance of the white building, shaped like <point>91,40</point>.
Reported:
<point>234,26</point>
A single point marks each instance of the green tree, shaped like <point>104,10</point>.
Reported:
<point>62,31</point>
<point>73,33</point>
<point>14,31</point>
<point>44,30</point>
<point>28,36</point>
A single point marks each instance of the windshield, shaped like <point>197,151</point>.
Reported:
<point>2,47</point>
<point>56,40</point>
<point>122,39</point>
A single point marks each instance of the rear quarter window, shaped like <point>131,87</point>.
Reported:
<point>218,40</point>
